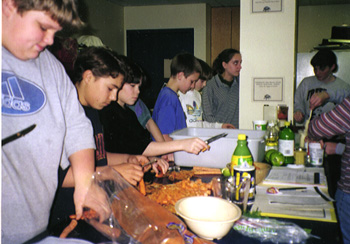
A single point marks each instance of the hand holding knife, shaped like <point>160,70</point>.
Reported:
<point>149,162</point>
<point>211,139</point>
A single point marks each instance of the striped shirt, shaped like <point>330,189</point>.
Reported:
<point>336,122</point>
<point>220,102</point>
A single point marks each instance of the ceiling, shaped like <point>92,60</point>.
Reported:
<point>216,3</point>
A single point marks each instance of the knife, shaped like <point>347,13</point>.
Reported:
<point>292,188</point>
<point>149,162</point>
<point>17,135</point>
<point>211,139</point>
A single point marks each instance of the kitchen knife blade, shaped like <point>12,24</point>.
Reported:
<point>214,138</point>
<point>17,135</point>
<point>150,162</point>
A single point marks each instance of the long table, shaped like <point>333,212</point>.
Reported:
<point>327,232</point>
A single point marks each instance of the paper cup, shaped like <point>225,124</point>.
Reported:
<point>259,124</point>
<point>316,154</point>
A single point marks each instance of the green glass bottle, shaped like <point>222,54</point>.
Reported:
<point>286,144</point>
<point>242,156</point>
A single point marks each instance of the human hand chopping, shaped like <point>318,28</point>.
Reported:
<point>211,139</point>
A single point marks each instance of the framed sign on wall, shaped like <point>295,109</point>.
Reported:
<point>268,89</point>
<point>262,6</point>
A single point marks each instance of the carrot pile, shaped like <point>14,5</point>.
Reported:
<point>168,195</point>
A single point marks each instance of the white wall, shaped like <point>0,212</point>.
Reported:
<point>268,50</point>
<point>172,17</point>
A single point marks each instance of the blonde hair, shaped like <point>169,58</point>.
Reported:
<point>65,12</point>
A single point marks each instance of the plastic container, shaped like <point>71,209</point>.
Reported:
<point>259,124</point>
<point>316,154</point>
<point>286,144</point>
<point>242,156</point>
<point>299,155</point>
<point>221,150</point>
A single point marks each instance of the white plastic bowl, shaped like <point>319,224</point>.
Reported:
<point>208,217</point>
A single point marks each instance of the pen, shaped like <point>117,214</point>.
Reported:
<point>292,189</point>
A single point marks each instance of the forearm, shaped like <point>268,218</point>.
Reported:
<point>167,137</point>
<point>117,158</point>
<point>160,148</point>
<point>112,158</point>
<point>155,131</point>
<point>68,179</point>
<point>82,167</point>
<point>334,122</point>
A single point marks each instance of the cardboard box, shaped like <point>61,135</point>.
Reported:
<point>221,150</point>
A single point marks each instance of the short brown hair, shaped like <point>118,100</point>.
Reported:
<point>65,12</point>
<point>207,72</point>
<point>186,63</point>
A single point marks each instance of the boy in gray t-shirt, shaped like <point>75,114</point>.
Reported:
<point>36,90</point>
<point>321,93</point>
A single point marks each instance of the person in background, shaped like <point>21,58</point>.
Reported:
<point>98,76</point>
<point>37,91</point>
<point>125,134</point>
<point>192,102</point>
<point>141,110</point>
<point>321,93</point>
<point>220,97</point>
<point>168,113</point>
<point>65,49</point>
<point>327,125</point>
<point>314,88</point>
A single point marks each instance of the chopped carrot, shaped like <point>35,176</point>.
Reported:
<point>69,228</point>
<point>206,148</point>
<point>142,187</point>
<point>160,172</point>
<point>72,216</point>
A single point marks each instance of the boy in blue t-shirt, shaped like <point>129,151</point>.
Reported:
<point>168,113</point>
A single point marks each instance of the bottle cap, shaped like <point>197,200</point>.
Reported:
<point>241,136</point>
<point>287,123</point>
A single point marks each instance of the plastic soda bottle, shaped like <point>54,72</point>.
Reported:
<point>242,156</point>
<point>286,144</point>
<point>271,137</point>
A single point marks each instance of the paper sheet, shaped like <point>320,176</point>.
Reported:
<point>299,204</point>
<point>299,177</point>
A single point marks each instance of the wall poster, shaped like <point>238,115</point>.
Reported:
<point>268,89</point>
